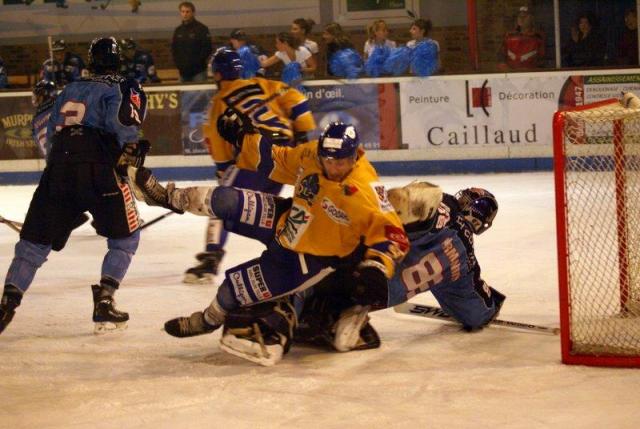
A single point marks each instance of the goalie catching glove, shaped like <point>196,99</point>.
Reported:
<point>146,188</point>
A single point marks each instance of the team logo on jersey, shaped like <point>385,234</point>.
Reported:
<point>381,193</point>
<point>397,236</point>
<point>349,189</point>
<point>135,98</point>
<point>239,287</point>
<point>249,206</point>
<point>308,188</point>
<point>268,212</point>
<point>334,213</point>
<point>296,224</point>
<point>258,285</point>
<point>444,216</point>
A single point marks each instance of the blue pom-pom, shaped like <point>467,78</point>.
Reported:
<point>374,66</point>
<point>292,74</point>
<point>425,58</point>
<point>346,63</point>
<point>249,61</point>
<point>398,61</point>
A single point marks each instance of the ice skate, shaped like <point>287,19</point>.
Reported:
<point>10,301</point>
<point>182,327</point>
<point>106,317</point>
<point>204,272</point>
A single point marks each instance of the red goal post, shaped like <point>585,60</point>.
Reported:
<point>597,181</point>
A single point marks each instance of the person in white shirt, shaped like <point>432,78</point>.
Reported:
<point>300,28</point>
<point>288,51</point>
<point>377,33</point>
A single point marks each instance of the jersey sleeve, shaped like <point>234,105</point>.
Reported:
<point>295,106</point>
<point>278,163</point>
<point>384,237</point>
<point>126,110</point>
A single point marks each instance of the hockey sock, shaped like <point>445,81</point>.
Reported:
<point>28,258</point>
<point>118,258</point>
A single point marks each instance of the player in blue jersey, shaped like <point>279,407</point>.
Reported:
<point>137,64</point>
<point>93,133</point>
<point>42,98</point>
<point>441,259</point>
<point>64,67</point>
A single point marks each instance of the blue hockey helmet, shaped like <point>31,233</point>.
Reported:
<point>227,62</point>
<point>104,55</point>
<point>338,140</point>
<point>43,90</point>
<point>479,207</point>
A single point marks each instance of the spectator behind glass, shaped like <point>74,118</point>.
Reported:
<point>627,50</point>
<point>523,47</point>
<point>238,39</point>
<point>419,31</point>
<point>586,48</point>
<point>288,51</point>
<point>4,79</point>
<point>191,46</point>
<point>336,39</point>
<point>300,28</point>
<point>377,33</point>
<point>136,63</point>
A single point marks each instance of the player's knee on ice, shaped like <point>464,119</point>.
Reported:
<point>225,201</point>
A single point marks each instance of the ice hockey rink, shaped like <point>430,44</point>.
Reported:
<point>55,373</point>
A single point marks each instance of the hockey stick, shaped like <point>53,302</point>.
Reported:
<point>437,313</point>
<point>156,219</point>
<point>16,226</point>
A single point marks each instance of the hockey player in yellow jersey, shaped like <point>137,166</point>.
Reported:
<point>338,217</point>
<point>269,107</point>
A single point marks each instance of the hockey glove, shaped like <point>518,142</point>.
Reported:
<point>146,188</point>
<point>370,285</point>
<point>133,154</point>
<point>233,125</point>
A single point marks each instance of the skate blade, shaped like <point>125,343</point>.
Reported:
<point>248,350</point>
<point>192,279</point>
<point>107,327</point>
<point>348,333</point>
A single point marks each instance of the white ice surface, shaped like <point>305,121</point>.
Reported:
<point>54,373</point>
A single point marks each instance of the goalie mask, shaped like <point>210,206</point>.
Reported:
<point>417,203</point>
<point>479,207</point>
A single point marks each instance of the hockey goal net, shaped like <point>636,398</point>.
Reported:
<point>597,176</point>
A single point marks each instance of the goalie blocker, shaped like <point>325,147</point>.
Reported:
<point>146,188</point>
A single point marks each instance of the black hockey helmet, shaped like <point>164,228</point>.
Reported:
<point>58,45</point>
<point>479,207</point>
<point>104,55</point>
<point>43,90</point>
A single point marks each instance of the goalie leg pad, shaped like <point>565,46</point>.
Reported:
<point>348,327</point>
<point>261,333</point>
